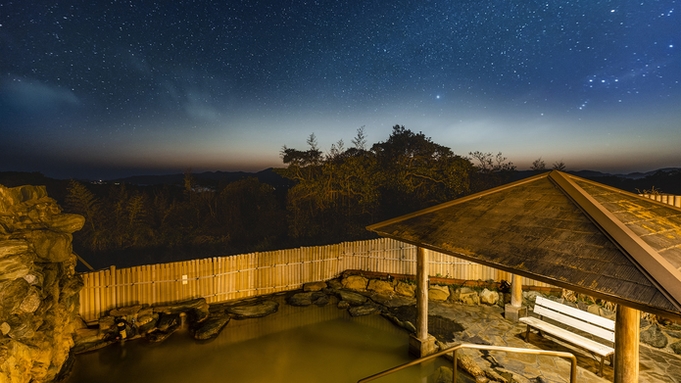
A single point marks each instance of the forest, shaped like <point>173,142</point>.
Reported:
<point>331,198</point>
<point>327,197</point>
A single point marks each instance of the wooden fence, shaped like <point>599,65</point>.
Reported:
<point>221,279</point>
<point>669,199</point>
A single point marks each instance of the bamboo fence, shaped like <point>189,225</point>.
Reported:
<point>220,279</point>
<point>669,199</point>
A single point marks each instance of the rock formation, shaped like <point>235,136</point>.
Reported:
<point>38,285</point>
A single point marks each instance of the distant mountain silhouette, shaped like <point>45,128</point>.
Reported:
<point>666,180</point>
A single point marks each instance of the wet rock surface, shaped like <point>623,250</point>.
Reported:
<point>443,329</point>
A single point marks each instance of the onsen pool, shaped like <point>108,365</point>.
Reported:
<point>295,344</point>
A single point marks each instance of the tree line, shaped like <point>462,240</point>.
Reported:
<point>334,196</point>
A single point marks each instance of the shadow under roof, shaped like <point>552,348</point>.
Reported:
<point>563,230</point>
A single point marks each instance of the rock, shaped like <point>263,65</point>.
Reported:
<point>300,299</point>
<point>72,287</point>
<point>343,305</point>
<point>4,328</point>
<point>496,377</point>
<point>674,334</point>
<point>355,282</point>
<point>405,289</point>
<point>211,327</point>
<point>125,311</point>
<point>381,287</point>
<point>67,223</point>
<point>594,309</point>
<point>31,300</point>
<point>13,247</point>
<point>466,296</point>
<point>334,284</point>
<point>38,284</point>
<point>676,347</point>
<point>653,336</point>
<point>468,364</point>
<point>489,297</point>
<point>314,286</point>
<point>168,322</point>
<point>158,336</point>
<point>369,309</point>
<point>320,299</point>
<point>257,310</point>
<point>146,323</point>
<point>197,309</point>
<point>12,293</point>
<point>352,298</point>
<point>442,375</point>
<point>51,246</point>
<point>438,293</point>
<point>15,266</point>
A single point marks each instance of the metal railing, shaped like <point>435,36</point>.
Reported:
<point>453,349</point>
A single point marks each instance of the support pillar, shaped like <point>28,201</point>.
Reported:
<point>627,338</point>
<point>421,344</point>
<point>514,310</point>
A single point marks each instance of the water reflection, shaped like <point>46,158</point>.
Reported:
<point>296,344</point>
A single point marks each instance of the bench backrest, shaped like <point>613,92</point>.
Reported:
<point>585,321</point>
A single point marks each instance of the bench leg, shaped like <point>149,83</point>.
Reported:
<point>527,334</point>
<point>602,362</point>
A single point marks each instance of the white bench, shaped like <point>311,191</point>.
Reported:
<point>575,318</point>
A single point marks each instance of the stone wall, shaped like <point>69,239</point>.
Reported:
<point>38,285</point>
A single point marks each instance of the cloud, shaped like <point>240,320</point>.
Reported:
<point>31,96</point>
<point>199,107</point>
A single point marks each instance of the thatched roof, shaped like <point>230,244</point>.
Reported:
<point>563,230</point>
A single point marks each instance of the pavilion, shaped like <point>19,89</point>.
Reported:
<point>565,231</point>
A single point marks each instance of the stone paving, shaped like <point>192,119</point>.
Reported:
<point>486,324</point>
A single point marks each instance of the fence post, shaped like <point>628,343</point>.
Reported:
<point>114,289</point>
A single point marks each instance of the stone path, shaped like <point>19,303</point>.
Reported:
<point>486,324</point>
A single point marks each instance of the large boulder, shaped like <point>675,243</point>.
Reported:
<point>256,310</point>
<point>300,299</point>
<point>489,297</point>
<point>197,310</point>
<point>314,286</point>
<point>466,296</point>
<point>352,298</point>
<point>211,327</point>
<point>381,287</point>
<point>406,289</point>
<point>438,293</point>
<point>355,282</point>
<point>653,336</point>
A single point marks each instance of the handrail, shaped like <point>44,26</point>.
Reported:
<point>453,349</point>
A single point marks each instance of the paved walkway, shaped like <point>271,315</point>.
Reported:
<point>487,324</point>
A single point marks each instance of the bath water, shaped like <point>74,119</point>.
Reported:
<point>295,344</point>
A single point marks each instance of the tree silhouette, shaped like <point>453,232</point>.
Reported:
<point>538,165</point>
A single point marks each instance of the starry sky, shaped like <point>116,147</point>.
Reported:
<point>106,89</point>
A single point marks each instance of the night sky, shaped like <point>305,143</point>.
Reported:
<point>105,89</point>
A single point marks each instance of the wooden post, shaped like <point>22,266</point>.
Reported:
<point>517,291</point>
<point>514,310</point>
<point>422,293</point>
<point>627,337</point>
<point>421,344</point>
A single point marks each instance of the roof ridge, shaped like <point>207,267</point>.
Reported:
<point>655,267</point>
